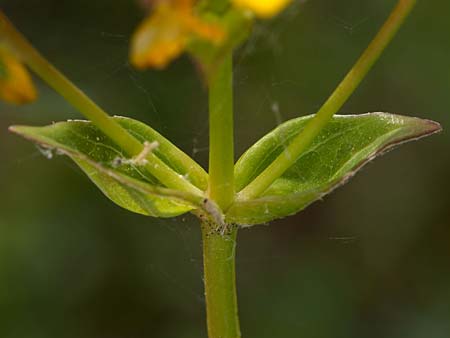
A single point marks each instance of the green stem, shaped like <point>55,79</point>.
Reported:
<point>221,143</point>
<point>219,279</point>
<point>20,46</point>
<point>332,105</point>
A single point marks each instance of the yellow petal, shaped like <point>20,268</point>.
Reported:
<point>15,81</point>
<point>263,8</point>
<point>158,40</point>
<point>163,36</point>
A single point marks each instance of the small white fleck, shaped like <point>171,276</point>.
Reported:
<point>46,151</point>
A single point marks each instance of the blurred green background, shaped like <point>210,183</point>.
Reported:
<point>371,260</point>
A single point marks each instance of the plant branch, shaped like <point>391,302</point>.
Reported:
<point>221,143</point>
<point>20,46</point>
<point>332,105</point>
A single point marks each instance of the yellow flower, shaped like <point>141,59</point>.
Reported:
<point>263,8</point>
<point>164,34</point>
<point>15,81</point>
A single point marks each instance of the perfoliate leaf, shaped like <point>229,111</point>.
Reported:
<point>338,152</point>
<point>119,178</point>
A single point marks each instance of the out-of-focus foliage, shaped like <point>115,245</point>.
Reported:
<point>370,261</point>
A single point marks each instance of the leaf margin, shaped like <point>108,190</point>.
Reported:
<point>259,205</point>
<point>193,201</point>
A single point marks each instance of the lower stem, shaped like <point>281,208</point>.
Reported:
<point>219,279</point>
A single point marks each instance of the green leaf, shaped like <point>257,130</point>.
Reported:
<point>121,180</point>
<point>346,144</point>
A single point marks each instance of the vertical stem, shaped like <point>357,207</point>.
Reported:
<point>219,279</point>
<point>221,143</point>
<point>218,245</point>
<point>332,105</point>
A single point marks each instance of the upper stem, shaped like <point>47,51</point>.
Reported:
<point>348,85</point>
<point>221,143</point>
<point>132,146</point>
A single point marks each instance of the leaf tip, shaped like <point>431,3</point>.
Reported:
<point>13,129</point>
<point>417,127</point>
<point>424,127</point>
<point>17,129</point>
<point>23,131</point>
<point>432,127</point>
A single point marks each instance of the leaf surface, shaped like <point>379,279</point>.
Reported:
<point>346,144</point>
<point>122,181</point>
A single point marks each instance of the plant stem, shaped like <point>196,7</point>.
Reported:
<point>221,143</point>
<point>219,247</point>
<point>20,46</point>
<point>219,279</point>
<point>332,105</point>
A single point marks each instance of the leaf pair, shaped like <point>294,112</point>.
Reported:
<point>339,151</point>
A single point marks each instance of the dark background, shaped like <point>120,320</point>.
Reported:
<point>371,260</point>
